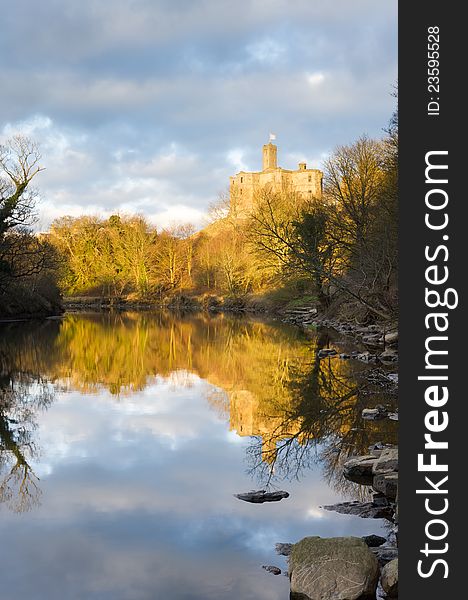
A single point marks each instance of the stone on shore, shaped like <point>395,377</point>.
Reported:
<point>387,484</point>
<point>387,462</point>
<point>389,579</point>
<point>341,568</point>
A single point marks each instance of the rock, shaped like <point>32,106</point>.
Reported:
<point>373,541</point>
<point>365,510</point>
<point>389,578</point>
<point>341,568</point>
<point>376,449</point>
<point>391,337</point>
<point>387,484</point>
<point>365,357</point>
<point>325,352</point>
<point>374,414</point>
<point>373,341</point>
<point>261,496</point>
<point>393,377</point>
<point>283,549</point>
<point>387,461</point>
<point>360,469</point>
<point>389,356</point>
<point>393,416</point>
<point>272,569</point>
<point>385,554</point>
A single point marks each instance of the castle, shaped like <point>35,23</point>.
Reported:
<point>244,186</point>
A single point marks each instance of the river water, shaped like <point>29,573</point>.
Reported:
<point>124,437</point>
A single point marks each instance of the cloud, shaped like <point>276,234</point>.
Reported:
<point>152,105</point>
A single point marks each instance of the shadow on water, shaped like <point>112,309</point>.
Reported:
<point>266,382</point>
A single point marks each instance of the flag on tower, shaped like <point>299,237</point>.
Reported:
<point>272,137</point>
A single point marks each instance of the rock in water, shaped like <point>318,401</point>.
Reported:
<point>283,549</point>
<point>272,569</point>
<point>374,414</point>
<point>365,510</point>
<point>359,469</point>
<point>373,541</point>
<point>389,579</point>
<point>261,496</point>
<point>341,568</point>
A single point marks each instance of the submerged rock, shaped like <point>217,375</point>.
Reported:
<point>261,496</point>
<point>332,568</point>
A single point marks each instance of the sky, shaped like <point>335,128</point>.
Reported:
<point>148,106</point>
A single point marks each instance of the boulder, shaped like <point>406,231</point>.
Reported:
<point>389,579</point>
<point>387,462</point>
<point>360,469</point>
<point>341,568</point>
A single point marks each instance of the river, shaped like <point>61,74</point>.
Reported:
<point>124,437</point>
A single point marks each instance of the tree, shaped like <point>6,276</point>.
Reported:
<point>19,164</point>
<point>27,261</point>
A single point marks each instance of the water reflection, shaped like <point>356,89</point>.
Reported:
<point>138,428</point>
<point>23,393</point>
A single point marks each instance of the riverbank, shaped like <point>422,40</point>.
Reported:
<point>21,303</point>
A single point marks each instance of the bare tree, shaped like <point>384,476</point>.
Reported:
<point>19,164</point>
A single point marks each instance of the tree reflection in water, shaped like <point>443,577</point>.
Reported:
<point>324,425</point>
<point>23,392</point>
<point>266,382</point>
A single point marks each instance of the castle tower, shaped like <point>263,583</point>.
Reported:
<point>269,156</point>
<point>245,185</point>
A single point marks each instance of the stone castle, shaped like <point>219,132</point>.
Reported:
<point>244,186</point>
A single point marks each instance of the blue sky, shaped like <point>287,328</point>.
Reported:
<point>148,106</point>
